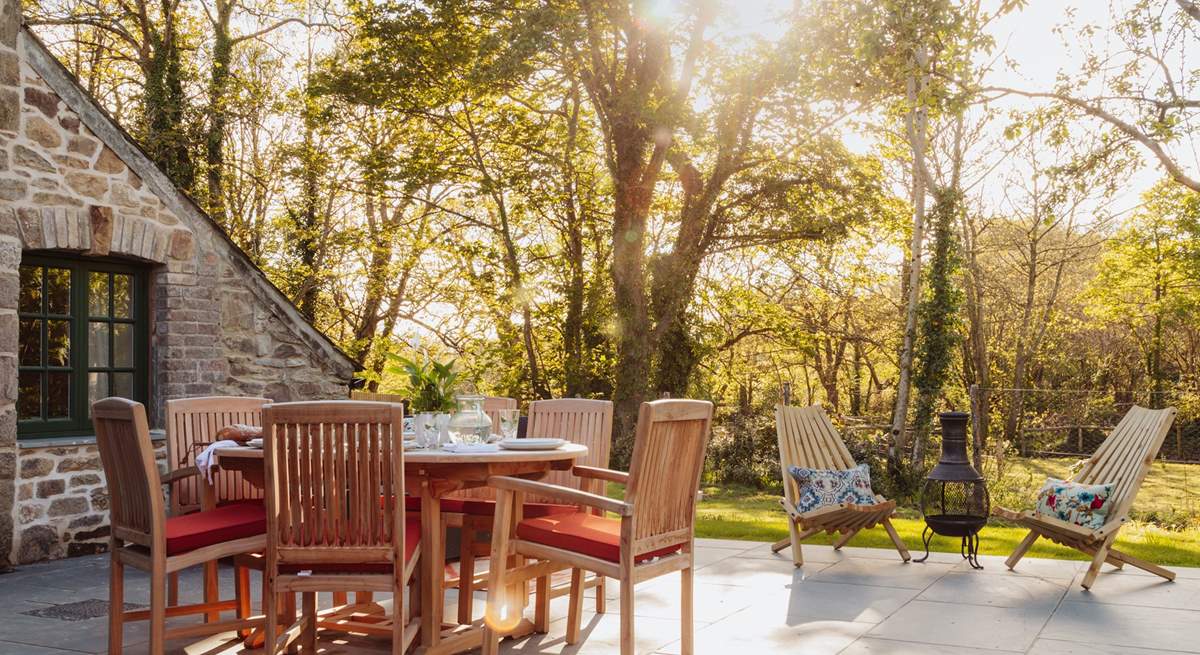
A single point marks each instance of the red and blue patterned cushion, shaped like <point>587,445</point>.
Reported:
<point>1084,505</point>
<point>820,487</point>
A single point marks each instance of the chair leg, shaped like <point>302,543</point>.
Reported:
<point>844,539</point>
<point>211,590</point>
<point>116,604</point>
<point>399,611</point>
<point>1098,558</point>
<point>1022,548</point>
<point>687,623</point>
<point>1142,564</point>
<point>627,635</point>
<point>241,591</point>
<point>541,604</point>
<point>794,539</point>
<point>895,537</point>
<point>270,602</point>
<point>575,607</point>
<point>173,589</point>
<point>309,636</point>
<point>601,594</point>
<point>466,573</point>
<point>781,544</point>
<point>158,605</point>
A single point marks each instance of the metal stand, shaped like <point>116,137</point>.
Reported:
<point>926,537</point>
<point>970,548</point>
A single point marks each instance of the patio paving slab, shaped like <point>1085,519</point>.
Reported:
<point>1128,626</point>
<point>748,601</point>
<point>979,627</point>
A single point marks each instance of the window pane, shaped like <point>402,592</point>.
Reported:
<point>97,388</point>
<point>58,291</point>
<point>29,395</point>
<point>58,343</point>
<point>58,395</point>
<point>98,344</point>
<point>98,294</point>
<point>123,344</point>
<point>122,296</point>
<point>31,289</point>
<point>122,385</point>
<point>30,341</point>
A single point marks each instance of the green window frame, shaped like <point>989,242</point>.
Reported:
<point>83,334</point>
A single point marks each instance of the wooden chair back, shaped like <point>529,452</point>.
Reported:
<point>378,397</point>
<point>1125,457</point>
<point>807,439</point>
<point>335,482</point>
<point>581,421</point>
<point>195,421</point>
<point>664,473</point>
<point>135,497</point>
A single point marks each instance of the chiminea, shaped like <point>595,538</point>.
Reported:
<point>955,499</point>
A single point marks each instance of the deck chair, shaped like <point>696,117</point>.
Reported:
<point>1123,460</point>
<point>807,439</point>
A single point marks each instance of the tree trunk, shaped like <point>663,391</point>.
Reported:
<point>218,87</point>
<point>917,125</point>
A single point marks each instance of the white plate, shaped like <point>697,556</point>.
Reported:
<point>411,444</point>
<point>532,444</point>
<point>255,443</point>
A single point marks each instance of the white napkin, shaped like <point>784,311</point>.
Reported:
<point>204,461</point>
<point>471,448</point>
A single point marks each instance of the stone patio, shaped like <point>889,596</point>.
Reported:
<point>748,601</point>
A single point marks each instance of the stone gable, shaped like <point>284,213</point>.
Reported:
<point>72,181</point>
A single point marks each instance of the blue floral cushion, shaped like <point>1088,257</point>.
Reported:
<point>819,487</point>
<point>1085,505</point>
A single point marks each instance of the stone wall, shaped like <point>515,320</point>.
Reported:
<point>72,180</point>
<point>61,502</point>
<point>10,253</point>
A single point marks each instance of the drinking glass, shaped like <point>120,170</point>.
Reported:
<point>426,431</point>
<point>509,419</point>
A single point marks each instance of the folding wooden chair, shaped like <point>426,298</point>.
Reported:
<point>808,439</point>
<point>653,535</point>
<point>1123,460</point>
<point>335,515</point>
<point>145,538</point>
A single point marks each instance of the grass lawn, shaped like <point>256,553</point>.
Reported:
<point>756,516</point>
<point>1170,493</point>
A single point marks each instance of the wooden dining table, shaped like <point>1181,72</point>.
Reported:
<point>431,474</point>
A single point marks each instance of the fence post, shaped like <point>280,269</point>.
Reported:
<point>1178,441</point>
<point>976,427</point>
<point>787,393</point>
<point>1079,439</point>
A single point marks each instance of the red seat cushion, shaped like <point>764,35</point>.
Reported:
<point>583,533</point>
<point>451,505</point>
<point>226,523</point>
<point>482,507</point>
<point>412,539</point>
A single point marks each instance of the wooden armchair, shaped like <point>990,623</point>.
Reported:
<point>652,536</point>
<point>145,538</point>
<point>192,422</point>
<point>334,479</point>
<point>586,422</point>
<point>1123,460</point>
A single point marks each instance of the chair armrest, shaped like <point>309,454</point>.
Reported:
<point>562,494</point>
<point>178,474</point>
<point>601,474</point>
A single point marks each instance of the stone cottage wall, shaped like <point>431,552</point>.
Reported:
<point>71,180</point>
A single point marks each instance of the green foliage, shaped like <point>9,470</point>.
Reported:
<point>431,384</point>
<point>939,332</point>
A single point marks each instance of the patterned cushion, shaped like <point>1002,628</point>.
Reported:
<point>1085,505</point>
<point>819,487</point>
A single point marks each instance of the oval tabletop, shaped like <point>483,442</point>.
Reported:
<point>428,456</point>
